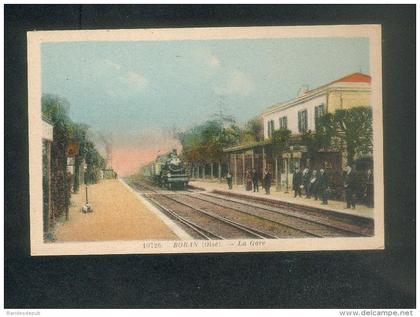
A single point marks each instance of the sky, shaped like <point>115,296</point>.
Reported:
<point>135,92</point>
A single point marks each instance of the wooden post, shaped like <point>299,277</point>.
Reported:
<point>264,162</point>
<point>50,213</point>
<point>243,169</point>
<point>277,173</point>
<point>220,172</point>
<point>211,170</point>
<point>287,174</point>
<point>253,158</point>
<point>235,170</point>
<point>204,171</point>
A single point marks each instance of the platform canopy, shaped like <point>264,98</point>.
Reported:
<point>247,146</point>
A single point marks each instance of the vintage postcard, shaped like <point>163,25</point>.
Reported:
<point>245,139</point>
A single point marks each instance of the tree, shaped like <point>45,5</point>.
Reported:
<point>94,163</point>
<point>280,139</point>
<point>204,143</point>
<point>255,129</point>
<point>191,144</point>
<point>348,130</point>
<point>56,109</point>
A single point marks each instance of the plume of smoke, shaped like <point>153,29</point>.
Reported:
<point>107,141</point>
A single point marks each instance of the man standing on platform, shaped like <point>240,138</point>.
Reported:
<point>369,188</point>
<point>267,181</point>
<point>297,182</point>
<point>349,184</point>
<point>306,177</point>
<point>323,186</point>
<point>229,179</point>
<point>255,180</point>
<point>313,185</point>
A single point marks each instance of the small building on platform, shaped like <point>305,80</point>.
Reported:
<point>247,157</point>
<point>298,115</point>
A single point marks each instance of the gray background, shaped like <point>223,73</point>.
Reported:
<point>367,279</point>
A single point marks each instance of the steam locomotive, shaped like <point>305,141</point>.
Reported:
<point>168,171</point>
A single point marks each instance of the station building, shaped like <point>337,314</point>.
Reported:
<point>298,115</point>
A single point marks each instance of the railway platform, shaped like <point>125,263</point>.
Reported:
<point>118,214</point>
<point>333,206</point>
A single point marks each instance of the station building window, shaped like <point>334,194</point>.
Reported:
<point>319,112</point>
<point>283,122</point>
<point>302,121</point>
<point>270,128</point>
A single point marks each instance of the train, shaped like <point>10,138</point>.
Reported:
<point>168,171</point>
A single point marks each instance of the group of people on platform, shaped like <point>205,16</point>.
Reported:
<point>313,184</point>
<point>253,180</point>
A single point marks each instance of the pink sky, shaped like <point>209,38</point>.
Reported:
<point>127,159</point>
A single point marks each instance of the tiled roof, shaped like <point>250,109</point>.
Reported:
<point>354,78</point>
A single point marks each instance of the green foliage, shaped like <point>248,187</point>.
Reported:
<point>348,130</point>
<point>309,140</point>
<point>55,109</point>
<point>204,143</point>
<point>65,131</point>
<point>254,129</point>
<point>321,139</point>
<point>94,162</point>
<point>280,139</point>
<point>324,132</point>
<point>246,137</point>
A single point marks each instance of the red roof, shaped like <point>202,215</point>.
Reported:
<point>354,78</point>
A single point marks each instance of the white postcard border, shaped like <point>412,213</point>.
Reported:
<point>38,247</point>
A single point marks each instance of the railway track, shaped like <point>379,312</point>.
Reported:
<point>201,223</point>
<point>213,216</point>
<point>325,225</point>
<point>196,229</point>
<point>353,224</point>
